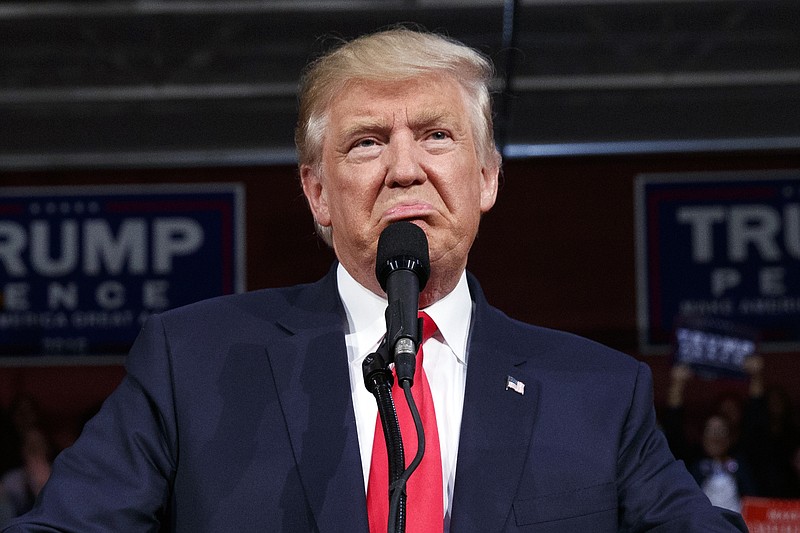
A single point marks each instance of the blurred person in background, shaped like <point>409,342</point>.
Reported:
<point>21,485</point>
<point>715,462</point>
<point>738,411</point>
<point>724,477</point>
<point>751,438</point>
<point>28,457</point>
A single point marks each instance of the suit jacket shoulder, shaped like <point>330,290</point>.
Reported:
<point>235,414</point>
<point>561,431</point>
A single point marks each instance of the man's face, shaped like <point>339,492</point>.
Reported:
<point>400,151</point>
<point>716,437</point>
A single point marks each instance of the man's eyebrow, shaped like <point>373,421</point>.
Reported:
<point>363,125</point>
<point>434,117</point>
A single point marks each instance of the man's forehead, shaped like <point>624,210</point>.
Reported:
<point>384,117</point>
<point>416,101</point>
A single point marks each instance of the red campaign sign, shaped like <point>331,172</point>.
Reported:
<point>770,515</point>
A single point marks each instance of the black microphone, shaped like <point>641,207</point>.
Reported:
<point>402,266</point>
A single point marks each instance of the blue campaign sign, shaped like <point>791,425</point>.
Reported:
<point>724,245</point>
<point>712,347</point>
<point>81,268</point>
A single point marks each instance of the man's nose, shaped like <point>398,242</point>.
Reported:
<point>404,165</point>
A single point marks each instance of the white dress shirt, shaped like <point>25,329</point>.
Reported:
<point>445,365</point>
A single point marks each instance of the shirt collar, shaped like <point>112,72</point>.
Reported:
<point>452,315</point>
<point>365,314</point>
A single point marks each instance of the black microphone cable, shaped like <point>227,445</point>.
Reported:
<point>397,490</point>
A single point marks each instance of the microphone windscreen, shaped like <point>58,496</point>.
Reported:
<point>402,245</point>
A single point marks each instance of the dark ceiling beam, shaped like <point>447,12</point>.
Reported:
<point>203,91</point>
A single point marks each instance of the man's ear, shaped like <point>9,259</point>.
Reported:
<point>490,177</point>
<point>315,193</point>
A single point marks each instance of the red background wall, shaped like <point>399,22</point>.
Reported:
<point>557,250</point>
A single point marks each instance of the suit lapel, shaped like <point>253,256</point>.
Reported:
<point>312,380</point>
<point>496,425</point>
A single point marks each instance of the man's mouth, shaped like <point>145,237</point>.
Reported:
<point>408,211</point>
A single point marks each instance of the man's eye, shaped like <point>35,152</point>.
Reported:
<point>439,135</point>
<point>365,143</point>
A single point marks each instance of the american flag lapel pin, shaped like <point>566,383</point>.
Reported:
<point>515,385</point>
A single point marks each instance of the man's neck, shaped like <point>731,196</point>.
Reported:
<point>435,289</point>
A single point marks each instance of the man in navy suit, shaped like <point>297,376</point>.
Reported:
<point>249,413</point>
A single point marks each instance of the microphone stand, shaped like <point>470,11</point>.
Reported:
<point>378,380</point>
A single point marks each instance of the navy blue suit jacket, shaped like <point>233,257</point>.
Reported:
<point>236,415</point>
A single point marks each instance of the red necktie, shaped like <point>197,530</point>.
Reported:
<point>424,502</point>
